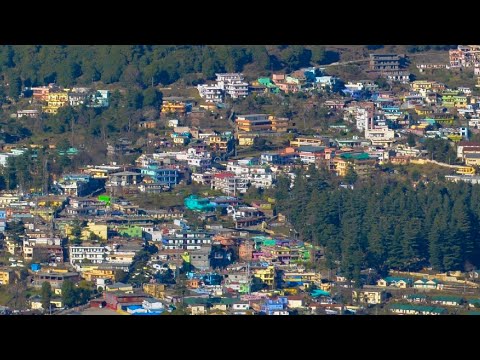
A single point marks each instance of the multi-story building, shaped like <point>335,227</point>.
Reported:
<point>219,142</point>
<point>6,276</point>
<point>373,297</point>
<point>40,93</point>
<point>236,89</point>
<point>279,124</point>
<point>381,135</point>
<point>123,178</point>
<point>211,93</point>
<point>187,240</point>
<point>233,84</point>
<point>93,254</point>
<point>95,273</point>
<point>465,56</point>
<point>169,107</point>
<point>78,96</point>
<point>265,274</point>
<point>99,98</point>
<point>43,249</point>
<point>229,183</point>
<point>165,176</point>
<point>55,279</point>
<point>77,184</point>
<point>230,77</point>
<point>55,101</point>
<point>384,62</point>
<point>312,141</point>
<point>253,122</point>
<point>199,162</point>
<point>202,178</point>
<point>33,114</point>
<point>454,99</point>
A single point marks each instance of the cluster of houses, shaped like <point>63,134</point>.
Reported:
<point>86,229</point>
<point>54,97</point>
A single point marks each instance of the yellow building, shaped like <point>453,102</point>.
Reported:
<point>155,290</point>
<point>12,247</point>
<point>300,141</point>
<point>246,139</point>
<point>98,173</point>
<point>173,107</point>
<point>55,101</point>
<point>197,309</point>
<point>361,167</point>
<point>180,140</point>
<point>36,304</point>
<point>279,124</point>
<point>94,274</point>
<point>6,276</point>
<point>218,142</point>
<point>423,111</point>
<point>472,160</point>
<point>266,275</point>
<point>422,85</point>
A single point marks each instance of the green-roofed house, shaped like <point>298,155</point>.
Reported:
<point>399,282</point>
<point>428,284</point>
<point>267,82</point>
<point>408,309</point>
<point>355,156</point>
<point>474,303</point>
<point>447,300</point>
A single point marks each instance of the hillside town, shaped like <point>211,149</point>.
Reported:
<point>185,220</point>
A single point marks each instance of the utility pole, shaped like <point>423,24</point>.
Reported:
<point>71,142</point>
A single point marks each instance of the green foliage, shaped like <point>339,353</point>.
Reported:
<point>121,276</point>
<point>46,295</point>
<point>384,225</point>
<point>440,150</point>
<point>351,176</point>
<point>15,88</point>
<point>260,144</point>
<point>411,140</point>
<point>152,97</point>
<point>73,295</point>
<point>15,230</point>
<point>69,293</point>
<point>296,56</point>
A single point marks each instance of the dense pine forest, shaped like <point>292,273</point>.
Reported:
<point>385,224</point>
<point>143,65</point>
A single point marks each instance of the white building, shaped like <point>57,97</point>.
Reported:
<point>232,84</point>
<point>237,89</point>
<point>96,254</point>
<point>230,77</point>
<point>382,136</point>
<point>202,178</point>
<point>211,93</point>
<point>229,183</point>
<point>257,176</point>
